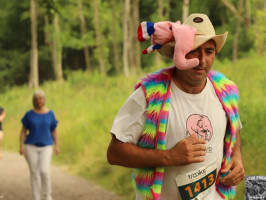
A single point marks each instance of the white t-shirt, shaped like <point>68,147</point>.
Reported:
<point>188,113</point>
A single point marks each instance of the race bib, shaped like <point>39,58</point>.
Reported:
<point>197,184</point>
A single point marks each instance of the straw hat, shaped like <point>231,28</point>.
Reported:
<point>205,31</point>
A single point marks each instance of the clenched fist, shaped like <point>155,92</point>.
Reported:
<point>188,150</point>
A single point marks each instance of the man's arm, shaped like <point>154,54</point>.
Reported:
<point>236,166</point>
<point>186,151</point>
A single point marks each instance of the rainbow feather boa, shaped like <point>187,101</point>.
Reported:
<point>156,88</point>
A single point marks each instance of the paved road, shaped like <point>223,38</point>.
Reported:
<point>15,183</point>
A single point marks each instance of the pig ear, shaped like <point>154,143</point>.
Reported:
<point>145,30</point>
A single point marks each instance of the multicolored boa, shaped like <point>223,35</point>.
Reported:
<point>157,92</point>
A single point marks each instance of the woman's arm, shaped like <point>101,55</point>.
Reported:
<point>22,139</point>
<point>56,144</point>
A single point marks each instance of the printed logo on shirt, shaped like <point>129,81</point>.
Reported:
<point>201,125</point>
<point>197,173</point>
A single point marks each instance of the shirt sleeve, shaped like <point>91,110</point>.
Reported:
<point>25,121</point>
<point>129,122</point>
<point>54,122</point>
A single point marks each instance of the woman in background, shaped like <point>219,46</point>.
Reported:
<point>37,145</point>
<point>2,116</point>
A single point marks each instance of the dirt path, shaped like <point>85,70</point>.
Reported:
<point>15,183</point>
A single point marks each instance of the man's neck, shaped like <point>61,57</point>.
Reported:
<point>186,86</point>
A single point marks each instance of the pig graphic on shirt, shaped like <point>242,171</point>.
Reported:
<point>201,125</point>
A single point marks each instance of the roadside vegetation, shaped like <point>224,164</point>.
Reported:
<point>86,105</point>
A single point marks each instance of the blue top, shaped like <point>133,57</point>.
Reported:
<point>40,128</point>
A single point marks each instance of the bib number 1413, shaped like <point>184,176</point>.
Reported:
<point>191,190</point>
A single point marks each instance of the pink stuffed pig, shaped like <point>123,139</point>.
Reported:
<point>164,32</point>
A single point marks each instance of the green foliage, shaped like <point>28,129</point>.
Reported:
<point>11,67</point>
<point>86,105</point>
<point>259,30</point>
<point>15,38</point>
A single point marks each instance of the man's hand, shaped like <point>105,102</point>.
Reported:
<point>236,172</point>
<point>188,150</point>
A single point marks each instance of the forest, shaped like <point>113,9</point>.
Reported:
<point>47,39</point>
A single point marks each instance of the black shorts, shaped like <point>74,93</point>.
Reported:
<point>1,126</point>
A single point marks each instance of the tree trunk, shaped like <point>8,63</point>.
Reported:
<point>185,9</point>
<point>264,34</point>
<point>158,58</point>
<point>238,14</point>
<point>125,37</point>
<point>131,34</point>
<point>135,40</point>
<point>134,55</point>
<point>99,50</point>
<point>259,27</point>
<point>160,9</point>
<point>257,35</point>
<point>248,17</point>
<point>115,38</point>
<point>57,51</point>
<point>46,32</point>
<point>163,10</point>
<point>163,15</point>
<point>238,30</point>
<point>54,45</point>
<point>83,32</point>
<point>34,74</point>
<point>167,9</point>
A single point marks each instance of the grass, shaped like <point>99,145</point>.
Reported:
<point>85,106</point>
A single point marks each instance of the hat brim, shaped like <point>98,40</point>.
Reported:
<point>168,48</point>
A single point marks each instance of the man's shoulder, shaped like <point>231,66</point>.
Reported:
<point>157,77</point>
<point>218,77</point>
<point>223,86</point>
